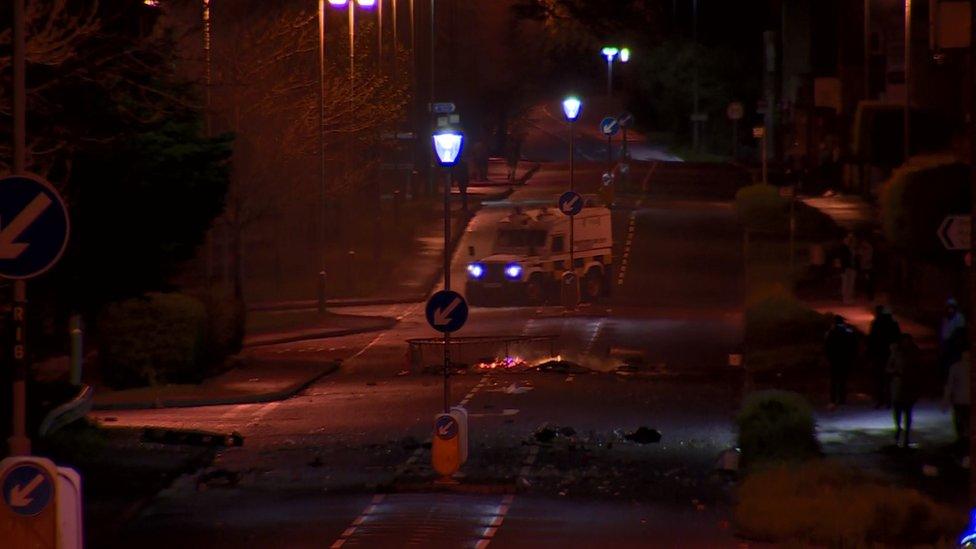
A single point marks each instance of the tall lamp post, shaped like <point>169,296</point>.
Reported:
<point>321,235</point>
<point>572,108</point>
<point>447,148</point>
<point>610,53</point>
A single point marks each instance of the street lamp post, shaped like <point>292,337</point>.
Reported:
<point>572,108</point>
<point>610,53</point>
<point>906,141</point>
<point>447,148</point>
<point>321,248</point>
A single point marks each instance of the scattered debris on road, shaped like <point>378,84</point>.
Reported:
<point>644,435</point>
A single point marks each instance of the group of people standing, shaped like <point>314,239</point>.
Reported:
<point>898,376</point>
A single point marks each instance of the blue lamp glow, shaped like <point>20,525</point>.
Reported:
<point>338,3</point>
<point>625,55</point>
<point>513,271</point>
<point>447,145</point>
<point>968,537</point>
<point>610,52</point>
<point>366,3</point>
<point>572,107</point>
<point>476,270</point>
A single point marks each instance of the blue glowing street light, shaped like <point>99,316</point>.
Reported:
<point>612,52</point>
<point>448,143</point>
<point>447,146</point>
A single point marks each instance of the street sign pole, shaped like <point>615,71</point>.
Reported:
<point>19,444</point>
<point>572,187</point>
<point>447,285</point>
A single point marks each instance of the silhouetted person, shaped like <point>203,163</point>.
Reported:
<point>905,369</point>
<point>951,332</point>
<point>460,175</point>
<point>513,154</point>
<point>479,153</point>
<point>956,395</point>
<point>883,334</point>
<point>840,348</point>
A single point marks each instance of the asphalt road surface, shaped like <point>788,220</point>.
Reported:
<point>345,462</point>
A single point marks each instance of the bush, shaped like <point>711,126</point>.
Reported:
<point>226,320</point>
<point>917,198</point>
<point>760,208</point>
<point>152,339</point>
<point>778,319</point>
<point>821,503</point>
<point>776,426</point>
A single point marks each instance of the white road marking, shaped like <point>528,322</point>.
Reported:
<point>625,259</point>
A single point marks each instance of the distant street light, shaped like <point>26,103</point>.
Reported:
<point>611,52</point>
<point>572,107</point>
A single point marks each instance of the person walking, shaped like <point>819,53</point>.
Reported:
<point>513,154</point>
<point>884,332</point>
<point>951,332</point>
<point>865,266</point>
<point>840,349</point>
<point>956,395</point>
<point>460,173</point>
<point>905,370</point>
<point>848,269</point>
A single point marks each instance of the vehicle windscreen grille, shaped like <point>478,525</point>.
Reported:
<point>494,272</point>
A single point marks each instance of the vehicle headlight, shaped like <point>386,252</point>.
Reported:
<point>476,270</point>
<point>513,271</point>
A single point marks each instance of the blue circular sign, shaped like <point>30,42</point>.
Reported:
<point>34,226</point>
<point>446,427</point>
<point>447,311</point>
<point>570,203</point>
<point>609,126</point>
<point>27,489</point>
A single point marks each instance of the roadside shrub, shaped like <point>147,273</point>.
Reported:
<point>760,208</point>
<point>778,319</point>
<point>226,318</point>
<point>916,199</point>
<point>152,339</point>
<point>776,426</point>
<point>822,503</point>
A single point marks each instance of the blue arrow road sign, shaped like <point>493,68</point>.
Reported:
<point>27,489</point>
<point>447,311</point>
<point>609,126</point>
<point>570,203</point>
<point>34,226</point>
<point>446,427</point>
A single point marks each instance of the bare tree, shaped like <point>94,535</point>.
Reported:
<point>265,92</point>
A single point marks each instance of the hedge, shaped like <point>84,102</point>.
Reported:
<point>820,503</point>
<point>776,426</point>
<point>916,199</point>
<point>152,339</point>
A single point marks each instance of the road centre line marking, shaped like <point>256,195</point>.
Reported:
<point>417,453</point>
<point>627,247</point>
<point>348,532</point>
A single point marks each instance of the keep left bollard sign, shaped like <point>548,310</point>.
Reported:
<point>34,226</point>
<point>28,496</point>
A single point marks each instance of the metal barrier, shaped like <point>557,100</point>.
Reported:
<point>424,353</point>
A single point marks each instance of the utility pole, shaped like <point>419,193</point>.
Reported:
<point>906,130</point>
<point>19,443</point>
<point>321,217</point>
<point>695,123</point>
<point>972,244</point>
